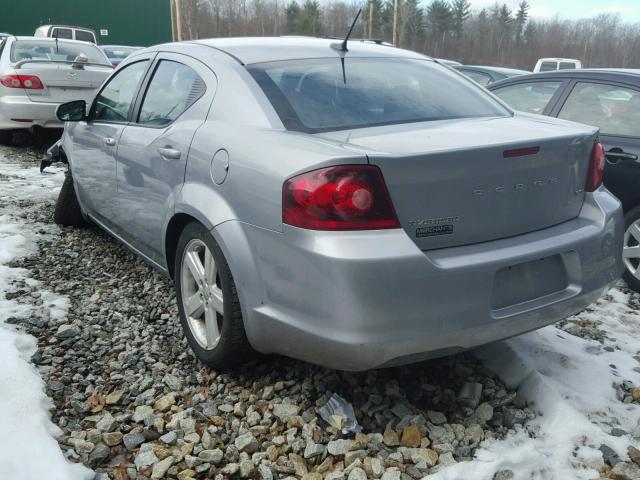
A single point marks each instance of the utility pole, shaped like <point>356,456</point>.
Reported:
<point>370,20</point>
<point>395,23</point>
<point>178,5</point>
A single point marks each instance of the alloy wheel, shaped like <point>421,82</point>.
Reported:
<point>631,249</point>
<point>202,297</point>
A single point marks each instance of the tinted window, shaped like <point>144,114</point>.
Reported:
<point>85,36</point>
<point>115,99</point>
<point>616,110</point>
<point>173,88</point>
<point>48,50</point>
<point>319,95</point>
<point>119,53</point>
<point>530,97</point>
<point>548,66</point>
<point>481,78</point>
<point>62,33</point>
<point>567,66</point>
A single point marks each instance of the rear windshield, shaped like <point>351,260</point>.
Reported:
<point>119,52</point>
<point>49,50</point>
<point>567,66</point>
<point>321,95</point>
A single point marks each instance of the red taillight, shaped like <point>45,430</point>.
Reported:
<point>596,167</point>
<point>347,197</point>
<point>28,82</point>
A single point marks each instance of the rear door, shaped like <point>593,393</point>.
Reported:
<point>614,107</point>
<point>153,148</point>
<point>95,141</point>
<point>532,96</point>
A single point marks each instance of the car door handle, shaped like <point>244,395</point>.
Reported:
<point>616,155</point>
<point>109,141</point>
<point>169,153</point>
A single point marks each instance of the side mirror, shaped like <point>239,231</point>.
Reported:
<point>75,111</point>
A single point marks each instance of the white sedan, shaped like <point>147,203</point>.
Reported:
<point>38,74</point>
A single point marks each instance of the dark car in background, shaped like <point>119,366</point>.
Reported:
<point>488,75</point>
<point>117,53</point>
<point>606,98</point>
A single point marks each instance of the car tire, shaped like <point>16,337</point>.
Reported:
<point>5,137</point>
<point>632,217</point>
<point>231,347</point>
<point>68,212</point>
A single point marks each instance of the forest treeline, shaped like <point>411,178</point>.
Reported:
<point>497,35</point>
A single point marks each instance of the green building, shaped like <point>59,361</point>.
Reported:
<point>116,22</point>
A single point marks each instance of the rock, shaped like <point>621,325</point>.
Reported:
<point>265,472</point>
<point>440,435</point>
<point>160,468</point>
<point>373,467</point>
<point>162,451</point>
<point>437,418</point>
<point>299,464</point>
<point>625,471</point>
<point>470,394</point>
<point>247,468</point>
<point>187,474</point>
<point>446,459</point>
<point>339,447</point>
<point>312,476</point>
<point>145,459</point>
<point>357,474</point>
<point>391,473</point>
<point>112,438</point>
<point>230,469</point>
<point>267,392</point>
<point>512,416</point>
<point>211,456</point>
<point>484,413</point>
<point>174,383</point>
<point>141,413</point>
<point>284,411</point>
<point>609,455</point>
<point>390,438</point>
<point>67,331</point>
<point>634,455</point>
<point>164,403</point>
<point>99,455</point>
<point>503,475</point>
<point>106,423</point>
<point>354,455</point>
<point>133,440</point>
<point>410,436</point>
<point>247,443</point>
<point>82,446</point>
<point>114,397</point>
<point>635,394</point>
<point>313,450</point>
<point>169,438</point>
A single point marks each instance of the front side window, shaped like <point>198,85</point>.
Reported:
<point>56,51</point>
<point>85,36</point>
<point>327,94</point>
<point>114,101</point>
<point>532,97</point>
<point>548,66</point>
<point>61,33</point>
<point>616,110</point>
<point>173,88</point>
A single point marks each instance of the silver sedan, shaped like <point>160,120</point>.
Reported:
<point>38,74</point>
<point>354,207</point>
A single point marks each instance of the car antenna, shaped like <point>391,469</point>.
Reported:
<point>342,47</point>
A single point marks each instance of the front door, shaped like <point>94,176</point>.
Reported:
<point>96,142</point>
<point>154,147</point>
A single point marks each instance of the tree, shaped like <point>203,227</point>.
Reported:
<point>460,12</point>
<point>438,22</point>
<point>292,13</point>
<point>310,18</point>
<point>521,19</point>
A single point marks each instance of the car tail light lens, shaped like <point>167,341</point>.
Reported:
<point>346,197</point>
<point>28,82</point>
<point>596,167</point>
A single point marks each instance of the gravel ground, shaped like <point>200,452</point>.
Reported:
<point>134,403</point>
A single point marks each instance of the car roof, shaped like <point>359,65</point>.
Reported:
<point>504,70</point>
<point>53,40</point>
<point>249,50</point>
<point>629,74</point>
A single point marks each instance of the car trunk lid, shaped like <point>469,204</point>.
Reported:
<point>459,182</point>
<point>62,82</point>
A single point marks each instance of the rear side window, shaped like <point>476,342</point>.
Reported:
<point>548,66</point>
<point>532,97</point>
<point>567,66</point>
<point>616,110</point>
<point>85,36</point>
<point>56,51</point>
<point>62,33</point>
<point>327,94</point>
<point>114,101</point>
<point>173,88</point>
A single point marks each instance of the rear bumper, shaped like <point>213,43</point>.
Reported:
<point>20,112</point>
<point>360,300</point>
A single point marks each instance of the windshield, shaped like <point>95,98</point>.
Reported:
<point>318,95</point>
<point>48,50</point>
<point>119,52</point>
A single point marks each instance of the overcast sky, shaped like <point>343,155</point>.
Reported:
<point>629,10</point>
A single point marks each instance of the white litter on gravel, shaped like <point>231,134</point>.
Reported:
<point>568,381</point>
<point>28,449</point>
